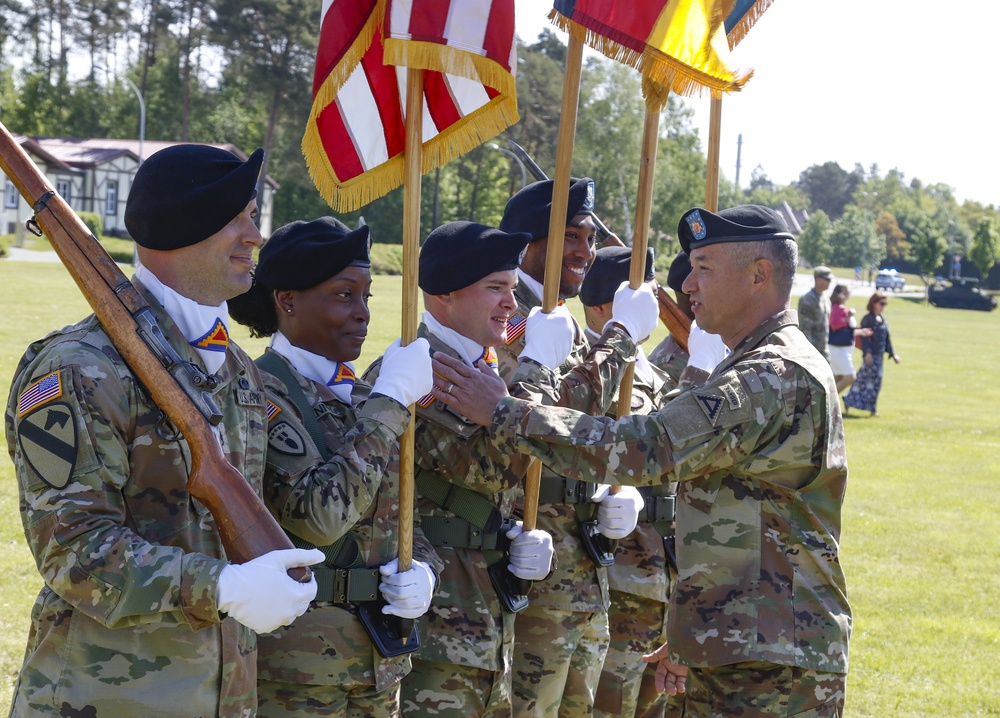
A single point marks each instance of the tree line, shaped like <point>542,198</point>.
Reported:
<point>228,71</point>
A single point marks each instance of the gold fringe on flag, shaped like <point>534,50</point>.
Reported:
<point>740,30</point>
<point>662,74</point>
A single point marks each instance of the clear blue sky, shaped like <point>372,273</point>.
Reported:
<point>902,84</point>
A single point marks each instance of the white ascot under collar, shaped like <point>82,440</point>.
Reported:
<point>205,328</point>
<point>531,283</point>
<point>339,376</point>
<point>470,351</point>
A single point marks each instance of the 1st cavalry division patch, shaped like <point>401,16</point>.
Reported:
<point>47,437</point>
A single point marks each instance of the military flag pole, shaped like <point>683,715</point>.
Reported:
<point>408,330</point>
<point>557,231</point>
<point>640,239</point>
<point>712,168</point>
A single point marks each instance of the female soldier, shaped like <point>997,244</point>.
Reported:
<point>311,297</point>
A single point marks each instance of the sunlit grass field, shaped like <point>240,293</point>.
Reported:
<point>921,537</point>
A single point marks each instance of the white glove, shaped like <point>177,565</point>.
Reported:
<point>549,337</point>
<point>259,593</point>
<point>530,553</point>
<point>406,373</point>
<point>706,350</point>
<point>618,513</point>
<point>408,593</point>
<point>637,310</point>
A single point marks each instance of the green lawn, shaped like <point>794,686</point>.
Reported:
<point>921,538</point>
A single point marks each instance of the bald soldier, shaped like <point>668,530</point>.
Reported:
<point>141,614</point>
<point>562,636</point>
<point>759,620</point>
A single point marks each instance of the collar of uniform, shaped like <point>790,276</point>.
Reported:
<point>313,366</point>
<point>766,328</point>
<point>534,288</point>
<point>469,351</point>
<point>234,364</point>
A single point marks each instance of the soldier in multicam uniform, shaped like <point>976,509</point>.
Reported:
<point>132,618</point>
<point>814,311</point>
<point>332,475</point>
<point>759,619</point>
<point>465,487</point>
<point>562,636</point>
<point>642,574</point>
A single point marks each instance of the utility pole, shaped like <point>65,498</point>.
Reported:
<point>739,152</point>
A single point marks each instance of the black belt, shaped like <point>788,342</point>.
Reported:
<point>658,508</point>
<point>560,490</point>
<point>458,533</point>
<point>340,585</point>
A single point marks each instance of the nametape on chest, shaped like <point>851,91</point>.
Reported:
<point>250,397</point>
<point>48,441</point>
<point>284,439</point>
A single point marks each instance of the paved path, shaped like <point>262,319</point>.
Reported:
<point>20,254</point>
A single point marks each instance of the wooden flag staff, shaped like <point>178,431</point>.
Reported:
<point>640,239</point>
<point>712,169</point>
<point>557,231</point>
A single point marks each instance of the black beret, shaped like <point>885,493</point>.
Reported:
<point>606,274</point>
<point>301,255</point>
<point>530,207</point>
<point>184,194</point>
<point>680,268</point>
<point>748,222</point>
<point>459,254</point>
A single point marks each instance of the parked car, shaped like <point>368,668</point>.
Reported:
<point>963,293</point>
<point>890,279</point>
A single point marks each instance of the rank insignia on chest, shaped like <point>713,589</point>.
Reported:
<point>282,437</point>
<point>514,327</point>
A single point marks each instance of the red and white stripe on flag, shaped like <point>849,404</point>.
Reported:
<point>355,137</point>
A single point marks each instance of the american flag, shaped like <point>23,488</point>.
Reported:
<point>272,410</point>
<point>355,135</point>
<point>45,389</point>
<point>515,327</point>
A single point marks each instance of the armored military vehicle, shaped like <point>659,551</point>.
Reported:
<point>963,293</point>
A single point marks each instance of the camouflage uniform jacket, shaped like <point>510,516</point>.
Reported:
<point>355,493</point>
<point>641,567</point>
<point>814,320</point>
<point>668,357</point>
<point>130,560</point>
<point>760,457</point>
<point>588,383</point>
<point>465,625</point>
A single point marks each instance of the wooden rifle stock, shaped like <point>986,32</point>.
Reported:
<point>245,526</point>
<point>676,321</point>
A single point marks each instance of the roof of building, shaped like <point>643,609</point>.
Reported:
<point>86,153</point>
<point>795,218</point>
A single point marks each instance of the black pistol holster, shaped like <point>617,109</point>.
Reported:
<point>475,524</point>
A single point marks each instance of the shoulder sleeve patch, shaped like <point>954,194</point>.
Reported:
<point>41,391</point>
<point>514,328</point>
<point>48,440</point>
<point>283,438</point>
<point>716,407</point>
<point>272,410</point>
